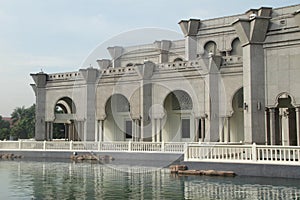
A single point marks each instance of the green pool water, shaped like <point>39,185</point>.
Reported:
<point>69,180</point>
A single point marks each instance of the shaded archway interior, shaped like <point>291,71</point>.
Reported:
<point>178,123</point>
<point>118,123</point>
<point>65,125</point>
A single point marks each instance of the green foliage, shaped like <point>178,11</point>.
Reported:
<point>23,122</point>
<point>4,129</point>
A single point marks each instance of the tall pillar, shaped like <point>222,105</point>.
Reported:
<point>202,129</point>
<point>158,130</point>
<point>51,131</point>
<point>190,29</point>
<point>222,132</point>
<point>99,135</point>
<point>197,130</point>
<point>133,133</point>
<point>97,132</point>
<point>252,33</point>
<point>227,131</point>
<point>213,80</point>
<point>39,88</point>
<point>70,131</point>
<point>135,130</point>
<point>80,131</point>
<point>91,76</point>
<point>138,131</point>
<point>272,126</point>
<point>285,130</point>
<point>145,73</point>
<point>267,126</point>
<point>47,131</point>
<point>153,129</point>
<point>298,125</point>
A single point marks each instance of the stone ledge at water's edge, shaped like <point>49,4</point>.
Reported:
<point>164,160</point>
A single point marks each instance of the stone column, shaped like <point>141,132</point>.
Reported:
<point>145,73</point>
<point>272,126</point>
<point>267,126</point>
<point>91,76</point>
<point>49,131</point>
<point>202,129</point>
<point>97,132</point>
<point>158,130</point>
<point>252,33</point>
<point>214,99</point>
<point>285,127</point>
<point>39,88</point>
<point>190,29</point>
<point>99,135</point>
<point>70,131</point>
<point>298,125</point>
<point>227,131</point>
<point>153,130</point>
<point>222,132</point>
<point>80,131</point>
<point>197,130</point>
<point>138,130</point>
<point>133,133</point>
<point>135,130</point>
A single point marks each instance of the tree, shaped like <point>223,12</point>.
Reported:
<point>18,114</point>
<point>23,122</point>
<point>4,129</point>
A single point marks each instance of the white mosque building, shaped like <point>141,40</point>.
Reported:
<point>229,79</point>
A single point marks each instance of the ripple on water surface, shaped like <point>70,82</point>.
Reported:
<point>68,180</point>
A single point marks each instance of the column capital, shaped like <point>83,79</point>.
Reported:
<point>90,75</point>
<point>189,27</point>
<point>253,29</point>
<point>40,79</point>
<point>297,109</point>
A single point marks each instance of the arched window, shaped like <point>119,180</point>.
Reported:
<point>210,48</point>
<point>65,105</point>
<point>178,60</point>
<point>236,47</point>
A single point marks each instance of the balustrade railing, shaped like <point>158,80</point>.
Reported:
<point>200,152</point>
<point>244,153</point>
<point>117,146</point>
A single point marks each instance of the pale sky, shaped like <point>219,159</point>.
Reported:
<point>58,35</point>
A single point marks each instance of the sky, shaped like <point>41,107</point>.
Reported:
<point>58,35</point>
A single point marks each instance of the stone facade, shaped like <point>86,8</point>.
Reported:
<point>229,79</point>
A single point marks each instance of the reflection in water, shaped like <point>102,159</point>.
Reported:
<point>59,180</point>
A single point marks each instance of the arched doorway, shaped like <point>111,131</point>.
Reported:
<point>64,123</point>
<point>118,123</point>
<point>286,121</point>
<point>179,122</point>
<point>237,118</point>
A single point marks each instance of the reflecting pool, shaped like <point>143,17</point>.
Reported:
<point>69,180</point>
